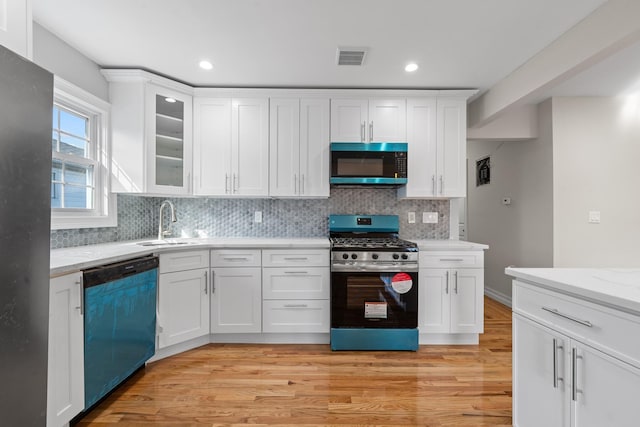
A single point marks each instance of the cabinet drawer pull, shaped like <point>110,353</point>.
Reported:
<point>304,258</point>
<point>296,272</point>
<point>451,259</point>
<point>295,305</point>
<point>568,316</point>
<point>235,258</point>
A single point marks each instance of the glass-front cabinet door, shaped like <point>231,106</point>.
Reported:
<point>170,141</point>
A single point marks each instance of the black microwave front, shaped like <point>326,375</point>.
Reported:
<point>374,163</point>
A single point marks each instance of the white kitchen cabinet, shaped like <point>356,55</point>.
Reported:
<point>564,369</point>
<point>65,382</point>
<point>295,290</point>
<point>299,147</point>
<point>436,138</point>
<point>16,26</point>
<point>236,291</point>
<point>368,120</point>
<point>231,147</point>
<point>183,297</point>
<point>451,293</point>
<point>151,143</point>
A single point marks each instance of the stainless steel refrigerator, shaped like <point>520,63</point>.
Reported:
<point>26,99</point>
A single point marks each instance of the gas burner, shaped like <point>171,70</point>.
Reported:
<point>373,243</point>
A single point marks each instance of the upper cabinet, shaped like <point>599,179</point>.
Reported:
<point>151,143</point>
<point>16,28</point>
<point>299,147</point>
<point>436,136</point>
<point>368,120</point>
<point>231,153</point>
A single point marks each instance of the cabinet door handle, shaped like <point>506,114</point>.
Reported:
<point>556,347</point>
<point>371,131</point>
<point>455,278</point>
<point>451,259</point>
<point>235,183</point>
<point>433,184</point>
<point>296,272</point>
<point>226,183</point>
<point>295,183</point>
<point>574,374</point>
<point>81,307</point>
<point>295,305</point>
<point>441,184</point>
<point>362,127</point>
<point>206,283</point>
<point>446,287</point>
<point>302,192</point>
<point>568,316</point>
<point>213,283</point>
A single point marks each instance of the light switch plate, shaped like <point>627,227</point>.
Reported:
<point>594,217</point>
<point>257,216</point>
<point>429,217</point>
<point>411,218</point>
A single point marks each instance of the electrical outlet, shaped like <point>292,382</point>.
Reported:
<point>429,217</point>
<point>412,218</point>
<point>506,201</point>
<point>257,216</point>
<point>594,217</point>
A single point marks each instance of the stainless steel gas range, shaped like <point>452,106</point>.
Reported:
<point>374,284</point>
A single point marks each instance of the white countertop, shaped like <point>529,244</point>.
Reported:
<point>69,260</point>
<point>449,245</point>
<point>616,287</point>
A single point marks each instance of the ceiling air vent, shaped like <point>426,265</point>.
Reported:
<point>351,55</point>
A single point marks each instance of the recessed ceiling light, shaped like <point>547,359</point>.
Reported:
<point>171,100</point>
<point>206,65</point>
<point>411,67</point>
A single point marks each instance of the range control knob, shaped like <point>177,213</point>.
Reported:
<point>396,256</point>
<point>354,256</point>
<point>345,256</point>
<point>374,256</point>
<point>405,256</point>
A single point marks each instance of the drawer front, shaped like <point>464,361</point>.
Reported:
<point>183,260</point>
<point>452,259</point>
<point>295,257</point>
<point>295,283</point>
<point>309,316</point>
<point>236,258</point>
<point>611,331</point>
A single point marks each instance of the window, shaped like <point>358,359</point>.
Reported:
<point>80,191</point>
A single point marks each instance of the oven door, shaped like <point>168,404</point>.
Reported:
<point>374,299</point>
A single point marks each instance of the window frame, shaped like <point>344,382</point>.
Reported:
<point>104,212</point>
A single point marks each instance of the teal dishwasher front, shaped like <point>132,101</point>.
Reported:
<point>119,323</point>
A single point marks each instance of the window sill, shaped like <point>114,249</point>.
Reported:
<point>65,221</point>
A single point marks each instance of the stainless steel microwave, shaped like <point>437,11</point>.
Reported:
<point>374,163</point>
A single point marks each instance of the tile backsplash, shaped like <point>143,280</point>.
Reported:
<point>212,217</point>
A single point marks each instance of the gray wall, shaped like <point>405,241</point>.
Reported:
<point>64,61</point>
<point>138,217</point>
<point>519,234</point>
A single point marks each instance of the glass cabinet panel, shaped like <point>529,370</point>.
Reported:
<point>169,141</point>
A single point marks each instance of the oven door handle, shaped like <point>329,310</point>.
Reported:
<point>413,268</point>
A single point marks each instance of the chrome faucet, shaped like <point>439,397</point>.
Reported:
<point>161,232</point>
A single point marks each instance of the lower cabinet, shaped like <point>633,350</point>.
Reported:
<point>183,297</point>
<point>236,300</point>
<point>65,383</point>
<point>295,290</point>
<point>562,372</point>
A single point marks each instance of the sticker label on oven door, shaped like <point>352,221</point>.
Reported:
<point>375,310</point>
<point>401,283</point>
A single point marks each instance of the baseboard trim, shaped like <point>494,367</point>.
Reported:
<point>498,296</point>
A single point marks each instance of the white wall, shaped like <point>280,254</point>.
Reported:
<point>55,55</point>
<point>519,234</point>
<point>596,150</point>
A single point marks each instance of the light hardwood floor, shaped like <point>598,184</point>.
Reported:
<point>308,385</point>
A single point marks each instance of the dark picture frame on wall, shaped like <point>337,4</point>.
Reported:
<point>483,171</point>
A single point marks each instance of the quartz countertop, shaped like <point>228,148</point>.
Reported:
<point>615,287</point>
<point>449,245</point>
<point>69,260</point>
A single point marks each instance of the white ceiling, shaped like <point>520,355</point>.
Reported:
<point>292,43</point>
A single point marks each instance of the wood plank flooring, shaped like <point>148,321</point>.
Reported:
<point>308,385</point>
